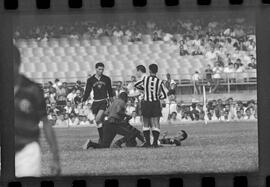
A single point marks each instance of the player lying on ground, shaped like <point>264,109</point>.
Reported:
<point>117,123</point>
<point>181,136</point>
<point>176,140</point>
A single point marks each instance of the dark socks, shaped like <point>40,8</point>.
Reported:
<point>156,136</point>
<point>100,133</point>
<point>147,136</point>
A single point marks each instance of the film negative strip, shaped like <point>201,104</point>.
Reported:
<point>135,93</point>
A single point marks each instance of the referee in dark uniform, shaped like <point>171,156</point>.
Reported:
<point>102,88</point>
<point>154,91</point>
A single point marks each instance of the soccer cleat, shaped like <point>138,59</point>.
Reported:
<point>86,144</point>
<point>146,145</point>
<point>115,145</point>
<point>156,146</point>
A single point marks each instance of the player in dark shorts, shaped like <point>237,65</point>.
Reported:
<point>130,141</point>
<point>30,109</point>
<point>154,91</point>
<point>116,123</point>
<point>103,94</point>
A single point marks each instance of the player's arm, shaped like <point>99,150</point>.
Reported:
<point>110,90</point>
<point>162,91</point>
<point>51,139</point>
<point>139,84</point>
<point>88,90</point>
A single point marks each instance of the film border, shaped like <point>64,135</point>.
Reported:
<point>263,46</point>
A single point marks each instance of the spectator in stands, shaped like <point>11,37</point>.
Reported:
<point>211,55</point>
<point>56,83</point>
<point>170,83</point>
<point>216,76</point>
<point>52,95</point>
<point>79,86</point>
<point>132,91</point>
<point>248,114</point>
<point>170,105</point>
<point>61,122</point>
<point>173,117</point>
<point>84,121</point>
<point>252,64</point>
<point>61,95</point>
<point>119,88</point>
<point>135,118</point>
<point>179,111</point>
<point>196,83</point>
<point>130,108</point>
<point>201,111</point>
<point>197,51</point>
<point>54,109</point>
<point>208,75</point>
<point>182,51</point>
<point>239,66</point>
<point>89,113</point>
<point>187,114</point>
<point>195,113</point>
<point>77,98</point>
<point>73,120</point>
<point>230,68</point>
<point>68,107</point>
<point>72,95</point>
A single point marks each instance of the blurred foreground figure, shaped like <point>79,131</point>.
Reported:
<point>29,110</point>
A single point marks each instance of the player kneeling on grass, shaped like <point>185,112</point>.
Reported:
<point>117,123</point>
<point>130,141</point>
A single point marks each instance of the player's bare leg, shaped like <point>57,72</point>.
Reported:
<point>99,120</point>
<point>146,131</point>
<point>155,130</point>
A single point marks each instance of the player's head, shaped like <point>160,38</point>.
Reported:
<point>153,69</point>
<point>123,96</point>
<point>171,95</point>
<point>16,61</point>
<point>168,76</point>
<point>99,68</point>
<point>140,70</point>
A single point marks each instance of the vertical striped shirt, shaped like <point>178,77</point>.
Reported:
<point>153,88</point>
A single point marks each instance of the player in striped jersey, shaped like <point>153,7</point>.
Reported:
<point>154,91</point>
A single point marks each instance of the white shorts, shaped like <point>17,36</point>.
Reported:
<point>28,161</point>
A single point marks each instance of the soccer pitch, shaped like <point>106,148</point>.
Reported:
<point>215,147</point>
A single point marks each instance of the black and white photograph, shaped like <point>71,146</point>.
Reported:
<point>135,94</point>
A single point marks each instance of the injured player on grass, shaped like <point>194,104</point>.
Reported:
<point>165,140</point>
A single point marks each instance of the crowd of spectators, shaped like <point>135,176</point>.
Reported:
<point>214,110</point>
<point>65,109</point>
<point>226,39</point>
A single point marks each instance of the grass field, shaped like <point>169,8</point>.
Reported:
<point>215,147</point>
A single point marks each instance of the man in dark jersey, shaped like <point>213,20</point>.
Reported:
<point>116,124</point>
<point>102,88</point>
<point>30,109</point>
